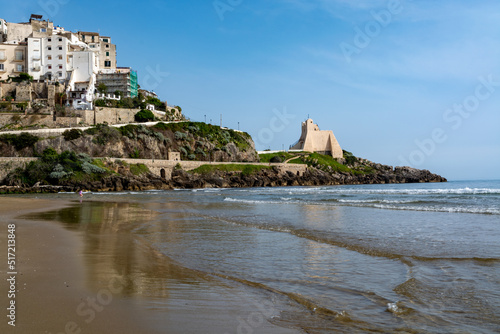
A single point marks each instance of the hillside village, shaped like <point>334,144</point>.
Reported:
<point>67,78</point>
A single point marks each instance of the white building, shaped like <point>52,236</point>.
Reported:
<point>84,64</point>
<point>35,60</point>
<point>3,30</point>
<point>57,58</point>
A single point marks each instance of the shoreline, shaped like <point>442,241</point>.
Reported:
<point>76,277</point>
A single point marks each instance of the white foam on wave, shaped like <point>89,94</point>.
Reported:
<point>370,201</point>
<point>341,190</point>
<point>117,193</point>
<point>476,210</point>
<point>441,191</point>
<point>248,201</point>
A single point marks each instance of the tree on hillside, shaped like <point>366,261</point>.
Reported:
<point>102,88</point>
<point>144,116</point>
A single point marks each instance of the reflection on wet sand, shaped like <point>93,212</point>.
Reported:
<point>119,252</point>
<point>112,253</point>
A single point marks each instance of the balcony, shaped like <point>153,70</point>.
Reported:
<point>36,69</point>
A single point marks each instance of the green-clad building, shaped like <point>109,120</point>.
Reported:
<point>122,79</point>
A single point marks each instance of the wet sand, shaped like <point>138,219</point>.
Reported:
<point>50,280</point>
<point>76,278</point>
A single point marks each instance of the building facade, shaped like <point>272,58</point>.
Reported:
<point>312,139</point>
<point>12,60</point>
<point>122,79</point>
<point>103,45</point>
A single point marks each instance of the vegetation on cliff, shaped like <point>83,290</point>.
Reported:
<point>326,163</point>
<point>20,141</point>
<point>230,168</point>
<point>57,169</point>
<point>71,171</point>
<point>195,141</point>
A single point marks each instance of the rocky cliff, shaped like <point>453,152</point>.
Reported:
<point>195,141</point>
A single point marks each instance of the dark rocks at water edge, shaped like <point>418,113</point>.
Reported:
<point>111,183</point>
<point>312,177</point>
<point>271,177</point>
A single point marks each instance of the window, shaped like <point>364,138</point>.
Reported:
<point>2,55</point>
<point>60,57</point>
<point>60,67</point>
<point>50,67</point>
<point>50,39</point>
<point>49,48</point>
<point>43,30</point>
<point>49,57</point>
<point>107,63</point>
<point>2,68</point>
<point>60,39</point>
<point>19,55</point>
<point>60,75</point>
<point>19,68</point>
<point>107,46</point>
<point>60,48</point>
<point>105,40</point>
<point>107,54</point>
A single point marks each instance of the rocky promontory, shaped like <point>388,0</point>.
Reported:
<point>68,163</point>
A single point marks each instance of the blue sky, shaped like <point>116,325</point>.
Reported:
<point>399,82</point>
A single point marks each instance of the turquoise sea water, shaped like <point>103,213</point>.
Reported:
<point>407,258</point>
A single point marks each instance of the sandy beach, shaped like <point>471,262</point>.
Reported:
<point>50,280</point>
<point>71,278</point>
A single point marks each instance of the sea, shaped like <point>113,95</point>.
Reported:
<point>391,258</point>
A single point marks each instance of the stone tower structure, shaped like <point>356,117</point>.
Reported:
<point>313,139</point>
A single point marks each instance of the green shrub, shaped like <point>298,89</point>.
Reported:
<point>19,141</point>
<point>23,77</point>
<point>243,169</point>
<point>139,169</point>
<point>89,168</point>
<point>349,158</point>
<point>136,154</point>
<point>104,134</point>
<point>72,134</point>
<point>129,131</point>
<point>144,116</point>
<point>158,136</point>
<point>100,103</point>
<point>53,168</point>
<point>180,135</point>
